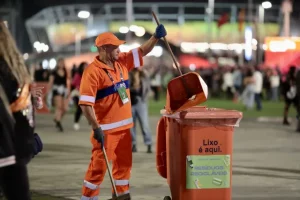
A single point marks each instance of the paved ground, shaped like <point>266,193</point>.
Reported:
<point>266,163</point>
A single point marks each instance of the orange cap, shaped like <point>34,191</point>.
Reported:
<point>108,38</point>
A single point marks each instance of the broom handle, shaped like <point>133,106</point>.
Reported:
<point>168,46</point>
<point>109,172</point>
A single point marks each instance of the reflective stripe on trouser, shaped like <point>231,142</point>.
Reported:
<point>118,149</point>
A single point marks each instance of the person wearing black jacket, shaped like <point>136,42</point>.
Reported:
<point>289,93</point>
<point>18,142</point>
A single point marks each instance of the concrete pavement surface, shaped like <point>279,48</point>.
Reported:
<point>266,162</point>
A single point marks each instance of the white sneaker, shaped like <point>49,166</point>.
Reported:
<point>76,126</point>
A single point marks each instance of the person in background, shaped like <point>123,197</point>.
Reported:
<point>40,74</point>
<point>237,82</point>
<point>249,92</point>
<point>267,83</point>
<point>75,93</point>
<point>290,93</point>
<point>274,83</point>
<point>156,83</point>
<point>228,83</point>
<point>297,81</point>
<point>59,82</point>
<point>139,89</point>
<point>258,86</point>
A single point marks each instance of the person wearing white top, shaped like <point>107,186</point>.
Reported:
<point>258,85</point>
<point>275,82</point>
<point>228,83</point>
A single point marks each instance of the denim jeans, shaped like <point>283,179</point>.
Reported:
<point>140,113</point>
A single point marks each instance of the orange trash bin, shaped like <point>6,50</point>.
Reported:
<point>194,152</point>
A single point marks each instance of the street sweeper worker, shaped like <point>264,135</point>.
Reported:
<point>105,102</point>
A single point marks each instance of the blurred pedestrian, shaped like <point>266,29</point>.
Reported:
<point>274,83</point>
<point>75,93</point>
<point>289,91</point>
<point>237,82</point>
<point>59,83</point>
<point>248,94</point>
<point>139,89</point>
<point>258,86</point>
<point>297,81</point>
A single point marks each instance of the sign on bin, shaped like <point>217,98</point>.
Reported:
<point>207,172</point>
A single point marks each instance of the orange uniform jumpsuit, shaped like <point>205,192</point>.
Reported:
<point>98,90</point>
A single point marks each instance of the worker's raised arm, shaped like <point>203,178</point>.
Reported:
<point>134,58</point>
<point>149,44</point>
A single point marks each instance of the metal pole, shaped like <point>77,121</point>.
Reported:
<point>261,14</point>
<point>286,10</point>
<point>250,19</point>
<point>129,16</point>
<point>210,11</point>
<point>77,44</point>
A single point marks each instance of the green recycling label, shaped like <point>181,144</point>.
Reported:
<point>208,172</point>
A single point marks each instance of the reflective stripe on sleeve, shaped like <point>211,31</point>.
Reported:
<point>136,58</point>
<point>7,161</point>
<point>87,98</point>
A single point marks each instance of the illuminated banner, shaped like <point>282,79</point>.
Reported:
<point>248,43</point>
<point>282,44</point>
<point>196,31</point>
<point>66,33</point>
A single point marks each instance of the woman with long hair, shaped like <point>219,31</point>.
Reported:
<point>75,93</point>
<point>17,140</point>
<point>59,82</point>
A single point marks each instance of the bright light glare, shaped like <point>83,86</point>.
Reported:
<point>157,51</point>
<point>36,44</point>
<point>83,14</point>
<point>123,29</point>
<point>45,64</point>
<point>25,56</point>
<point>192,66</point>
<point>45,47</point>
<point>266,4</point>
<point>140,31</point>
<point>133,28</point>
<point>52,63</point>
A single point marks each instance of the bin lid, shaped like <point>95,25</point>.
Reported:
<point>204,113</point>
<point>185,91</point>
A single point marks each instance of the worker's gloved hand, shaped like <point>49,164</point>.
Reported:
<point>160,31</point>
<point>38,144</point>
<point>99,136</point>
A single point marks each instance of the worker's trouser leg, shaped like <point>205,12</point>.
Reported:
<point>118,149</point>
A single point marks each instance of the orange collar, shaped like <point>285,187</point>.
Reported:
<point>102,65</point>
